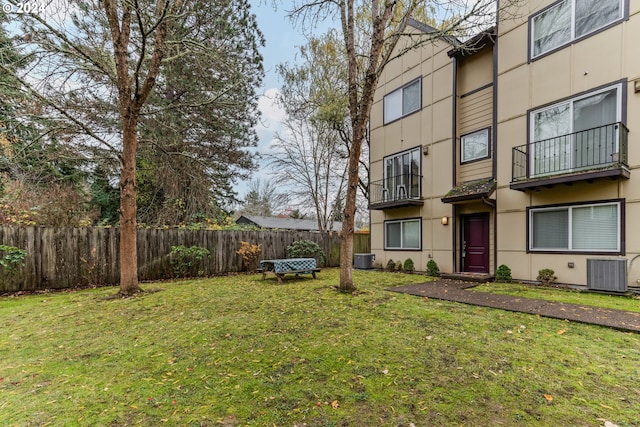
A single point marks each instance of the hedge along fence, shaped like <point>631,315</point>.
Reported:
<point>70,257</point>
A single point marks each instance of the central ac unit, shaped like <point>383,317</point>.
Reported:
<point>363,261</point>
<point>607,274</point>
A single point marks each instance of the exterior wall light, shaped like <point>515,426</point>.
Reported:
<point>444,220</point>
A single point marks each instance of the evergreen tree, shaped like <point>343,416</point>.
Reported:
<point>196,138</point>
<point>115,77</point>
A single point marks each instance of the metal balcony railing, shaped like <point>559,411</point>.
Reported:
<point>395,190</point>
<point>598,148</point>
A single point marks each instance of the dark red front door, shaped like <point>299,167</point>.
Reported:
<point>475,243</point>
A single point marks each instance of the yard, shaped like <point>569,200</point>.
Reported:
<point>237,350</point>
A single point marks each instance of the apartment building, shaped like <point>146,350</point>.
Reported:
<point>517,147</point>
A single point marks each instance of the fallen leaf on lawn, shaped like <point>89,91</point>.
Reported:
<point>548,397</point>
<point>562,331</point>
<point>335,404</point>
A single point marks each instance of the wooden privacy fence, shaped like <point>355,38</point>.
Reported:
<point>70,257</point>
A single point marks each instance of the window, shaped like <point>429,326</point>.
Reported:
<point>568,20</point>
<point>402,102</point>
<point>402,234</point>
<point>474,146</point>
<point>579,228</point>
<point>576,134</point>
<point>402,175</point>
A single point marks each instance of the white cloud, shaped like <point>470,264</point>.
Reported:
<point>272,116</point>
<point>270,122</point>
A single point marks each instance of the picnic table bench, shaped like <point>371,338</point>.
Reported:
<point>296,266</point>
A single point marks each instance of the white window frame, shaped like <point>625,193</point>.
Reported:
<point>571,102</point>
<point>570,241</point>
<point>402,243</point>
<point>572,25</point>
<point>388,108</point>
<point>485,155</point>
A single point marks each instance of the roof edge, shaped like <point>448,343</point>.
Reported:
<point>475,43</point>
<point>428,29</point>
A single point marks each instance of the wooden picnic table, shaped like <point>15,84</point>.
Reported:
<point>296,266</point>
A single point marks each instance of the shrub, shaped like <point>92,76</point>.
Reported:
<point>546,276</point>
<point>432,268</point>
<point>250,254</point>
<point>306,249</point>
<point>185,261</point>
<point>503,274</point>
<point>55,204</point>
<point>398,266</point>
<point>408,265</point>
<point>89,267</point>
<point>391,265</point>
<point>11,257</point>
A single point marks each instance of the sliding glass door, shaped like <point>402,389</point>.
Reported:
<point>575,134</point>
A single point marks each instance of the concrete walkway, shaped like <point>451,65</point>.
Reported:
<point>454,290</point>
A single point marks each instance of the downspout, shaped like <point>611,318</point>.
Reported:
<point>454,132</point>
<point>494,141</point>
<point>369,182</point>
<point>631,265</point>
<point>489,202</point>
<point>492,204</point>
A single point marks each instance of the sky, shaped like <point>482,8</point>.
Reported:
<point>281,44</point>
<point>282,40</point>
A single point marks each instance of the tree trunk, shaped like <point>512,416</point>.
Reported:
<point>346,255</point>
<point>128,224</point>
<point>348,222</point>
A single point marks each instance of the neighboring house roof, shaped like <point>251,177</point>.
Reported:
<point>283,223</point>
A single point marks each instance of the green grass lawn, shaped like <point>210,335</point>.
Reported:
<point>618,302</point>
<point>241,351</point>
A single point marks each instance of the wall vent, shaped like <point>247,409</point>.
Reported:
<point>607,274</point>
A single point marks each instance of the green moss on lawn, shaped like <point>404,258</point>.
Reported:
<point>241,351</point>
<point>618,302</point>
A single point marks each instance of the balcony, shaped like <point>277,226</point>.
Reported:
<point>581,156</point>
<point>395,192</point>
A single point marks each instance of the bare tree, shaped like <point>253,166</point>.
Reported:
<point>315,97</point>
<point>264,198</point>
<point>307,158</point>
<point>370,44</point>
